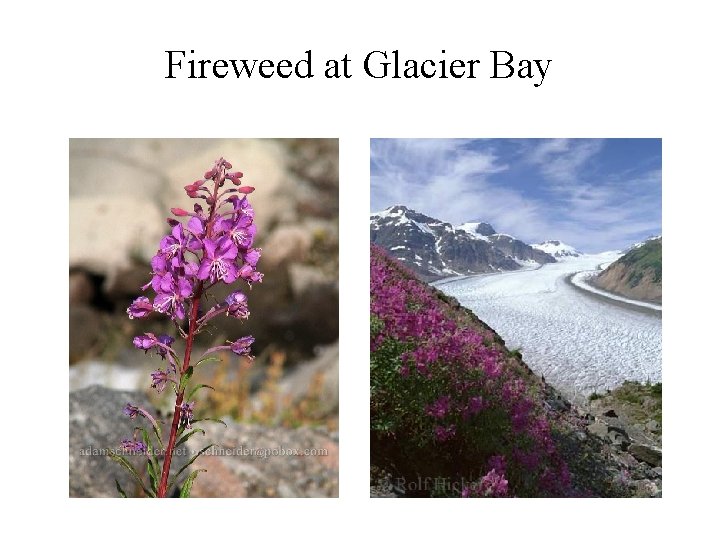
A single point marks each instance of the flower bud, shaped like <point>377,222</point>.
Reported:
<point>178,212</point>
<point>246,189</point>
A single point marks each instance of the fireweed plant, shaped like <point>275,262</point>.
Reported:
<point>214,245</point>
<point>448,406</point>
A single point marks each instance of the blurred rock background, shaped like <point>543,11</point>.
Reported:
<point>121,191</point>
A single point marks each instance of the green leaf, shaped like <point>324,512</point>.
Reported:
<point>187,485</point>
<point>208,359</point>
<point>185,378</point>
<point>185,437</point>
<point>153,468</point>
<point>177,475</point>
<point>196,388</point>
<point>153,477</point>
<point>120,490</point>
<point>216,420</point>
<point>125,463</point>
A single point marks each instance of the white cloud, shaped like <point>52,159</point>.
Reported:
<point>453,180</point>
<point>560,160</point>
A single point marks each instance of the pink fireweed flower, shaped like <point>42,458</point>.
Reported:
<point>249,274</point>
<point>133,447</point>
<point>219,261</point>
<point>241,347</point>
<point>237,305</point>
<point>252,256</point>
<point>186,414</point>
<point>440,408</point>
<point>493,485</point>
<point>160,379</point>
<point>241,229</point>
<point>140,307</point>
<point>443,433</point>
<point>174,245</point>
<point>196,224</point>
<point>145,342</point>
<point>172,295</point>
<point>213,245</point>
<point>242,206</point>
<point>132,411</point>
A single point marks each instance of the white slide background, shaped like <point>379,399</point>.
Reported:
<point>96,69</point>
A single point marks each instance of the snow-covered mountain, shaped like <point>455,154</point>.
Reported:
<point>641,244</point>
<point>557,249</point>
<point>434,248</point>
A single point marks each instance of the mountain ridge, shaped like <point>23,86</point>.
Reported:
<point>436,249</point>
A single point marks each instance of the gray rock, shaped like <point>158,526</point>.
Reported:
<point>233,471</point>
<point>304,279</point>
<point>325,366</point>
<point>96,425</point>
<point>618,437</point>
<point>647,488</point>
<point>599,429</point>
<point>106,233</point>
<point>287,243</point>
<point>558,404</point>
<point>653,426</point>
<point>648,454</point>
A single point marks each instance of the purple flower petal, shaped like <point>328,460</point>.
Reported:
<point>158,263</point>
<point>210,248</point>
<point>231,272</point>
<point>204,270</point>
<point>184,288</point>
<point>226,249</point>
<point>196,226</point>
<point>140,307</point>
<point>252,256</point>
<point>241,347</point>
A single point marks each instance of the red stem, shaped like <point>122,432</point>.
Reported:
<point>162,487</point>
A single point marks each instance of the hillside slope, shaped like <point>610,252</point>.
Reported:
<point>453,407</point>
<point>637,274</point>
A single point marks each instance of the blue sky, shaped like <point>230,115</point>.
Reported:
<point>595,194</point>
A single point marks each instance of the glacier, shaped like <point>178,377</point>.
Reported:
<point>580,342</point>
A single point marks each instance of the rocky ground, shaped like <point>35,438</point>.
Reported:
<point>97,423</point>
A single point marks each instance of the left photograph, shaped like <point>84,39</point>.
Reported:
<point>203,318</point>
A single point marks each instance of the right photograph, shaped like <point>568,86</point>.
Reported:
<point>516,318</point>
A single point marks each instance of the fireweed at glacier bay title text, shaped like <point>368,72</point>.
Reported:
<point>378,64</point>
